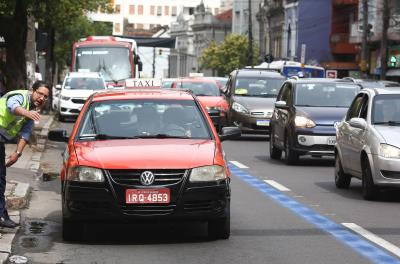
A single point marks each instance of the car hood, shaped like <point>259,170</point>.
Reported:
<point>390,134</point>
<point>322,115</point>
<point>211,100</point>
<point>256,103</point>
<point>146,153</point>
<point>77,93</point>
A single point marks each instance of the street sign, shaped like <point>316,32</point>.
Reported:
<point>331,74</point>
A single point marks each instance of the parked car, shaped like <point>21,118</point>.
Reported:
<point>306,112</point>
<point>370,83</point>
<point>209,95</point>
<point>144,155</point>
<point>251,95</point>
<point>55,97</point>
<point>368,143</point>
<point>76,88</point>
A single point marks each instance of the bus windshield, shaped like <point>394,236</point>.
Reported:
<point>112,62</point>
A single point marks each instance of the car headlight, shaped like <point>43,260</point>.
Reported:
<point>66,98</point>
<point>240,108</point>
<point>85,174</point>
<point>302,121</point>
<point>207,173</point>
<point>388,151</point>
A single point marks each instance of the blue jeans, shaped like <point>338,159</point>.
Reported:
<point>3,210</point>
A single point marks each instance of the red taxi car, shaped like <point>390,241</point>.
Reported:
<point>209,95</point>
<point>144,154</point>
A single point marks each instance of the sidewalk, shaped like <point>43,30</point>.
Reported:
<point>20,177</point>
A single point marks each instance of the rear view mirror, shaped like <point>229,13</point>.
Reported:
<point>230,133</point>
<point>358,123</point>
<point>281,105</point>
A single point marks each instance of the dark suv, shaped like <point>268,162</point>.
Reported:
<point>251,94</point>
<point>305,115</point>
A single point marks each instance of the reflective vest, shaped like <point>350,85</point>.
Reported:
<point>11,124</point>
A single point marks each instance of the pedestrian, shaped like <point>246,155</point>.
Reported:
<point>19,110</point>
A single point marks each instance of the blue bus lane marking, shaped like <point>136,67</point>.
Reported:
<point>342,234</point>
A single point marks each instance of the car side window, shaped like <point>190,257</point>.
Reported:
<point>355,107</point>
<point>284,93</point>
<point>364,107</point>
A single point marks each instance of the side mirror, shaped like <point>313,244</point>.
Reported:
<point>59,135</point>
<point>230,133</point>
<point>138,62</point>
<point>140,66</point>
<point>58,87</point>
<point>358,123</point>
<point>281,105</point>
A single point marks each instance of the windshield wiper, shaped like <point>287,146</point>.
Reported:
<point>161,136</point>
<point>105,136</point>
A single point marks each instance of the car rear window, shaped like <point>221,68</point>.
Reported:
<point>84,83</point>
<point>201,88</point>
<point>325,94</point>
<point>258,86</point>
<point>144,118</point>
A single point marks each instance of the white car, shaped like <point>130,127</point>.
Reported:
<point>76,88</point>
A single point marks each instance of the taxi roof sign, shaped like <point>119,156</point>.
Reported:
<point>143,83</point>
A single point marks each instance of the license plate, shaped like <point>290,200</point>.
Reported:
<point>147,196</point>
<point>262,122</point>
<point>331,141</point>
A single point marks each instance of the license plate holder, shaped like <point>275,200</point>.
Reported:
<point>148,196</point>
<point>262,122</point>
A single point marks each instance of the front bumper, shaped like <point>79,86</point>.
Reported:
<point>250,124</point>
<point>386,172</point>
<point>317,141</point>
<point>71,107</point>
<point>102,201</point>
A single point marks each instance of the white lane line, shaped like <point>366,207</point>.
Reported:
<point>374,238</point>
<point>238,164</point>
<point>277,185</point>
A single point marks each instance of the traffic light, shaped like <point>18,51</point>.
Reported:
<point>160,52</point>
<point>393,61</point>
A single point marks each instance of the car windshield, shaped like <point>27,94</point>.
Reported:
<point>143,119</point>
<point>325,94</point>
<point>258,86</point>
<point>84,83</point>
<point>201,88</point>
<point>386,109</point>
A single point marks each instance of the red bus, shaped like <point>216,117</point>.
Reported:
<point>116,58</point>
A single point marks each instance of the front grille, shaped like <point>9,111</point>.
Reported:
<point>148,209</point>
<point>391,174</point>
<point>161,176</point>
<point>78,101</point>
<point>261,114</point>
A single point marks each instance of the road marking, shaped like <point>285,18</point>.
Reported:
<point>238,164</point>
<point>373,238</point>
<point>277,185</point>
<point>342,234</point>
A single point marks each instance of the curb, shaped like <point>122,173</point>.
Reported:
<point>19,195</point>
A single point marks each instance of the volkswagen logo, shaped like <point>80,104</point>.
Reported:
<point>147,178</point>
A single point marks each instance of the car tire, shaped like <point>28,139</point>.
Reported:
<point>291,156</point>
<point>369,189</point>
<point>274,152</point>
<point>220,228</point>
<point>72,231</point>
<point>342,180</point>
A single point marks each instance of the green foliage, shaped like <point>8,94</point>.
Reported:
<point>232,53</point>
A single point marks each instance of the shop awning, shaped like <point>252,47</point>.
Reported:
<point>393,72</point>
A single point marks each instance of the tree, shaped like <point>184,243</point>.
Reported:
<point>232,53</point>
<point>56,17</point>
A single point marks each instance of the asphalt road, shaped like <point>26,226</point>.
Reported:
<point>299,221</point>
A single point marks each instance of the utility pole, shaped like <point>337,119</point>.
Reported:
<point>364,51</point>
<point>385,26</point>
<point>250,47</point>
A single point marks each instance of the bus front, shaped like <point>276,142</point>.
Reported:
<point>113,61</point>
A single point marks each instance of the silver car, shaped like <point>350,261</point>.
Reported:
<point>368,142</point>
